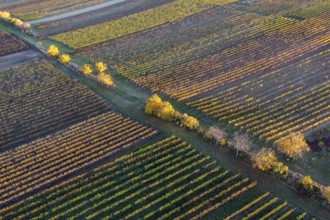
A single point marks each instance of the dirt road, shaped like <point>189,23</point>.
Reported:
<point>75,12</point>
<point>22,57</point>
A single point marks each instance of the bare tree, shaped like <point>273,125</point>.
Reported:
<point>217,134</point>
<point>240,142</point>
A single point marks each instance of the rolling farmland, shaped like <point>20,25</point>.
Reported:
<point>169,109</point>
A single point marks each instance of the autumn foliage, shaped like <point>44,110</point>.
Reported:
<point>53,50</point>
<point>280,168</point>
<point>307,182</point>
<point>164,110</point>
<point>86,69</point>
<point>293,145</point>
<point>189,121</point>
<point>153,105</point>
<point>101,67</point>
<point>104,78</point>
<point>5,15</point>
<point>264,159</point>
<point>26,25</point>
<point>17,22</point>
<point>64,59</point>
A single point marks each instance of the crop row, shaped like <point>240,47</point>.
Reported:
<point>232,33</point>
<point>37,99</point>
<point>45,160</point>
<point>268,7</point>
<point>165,180</point>
<point>170,12</point>
<point>321,9</point>
<point>206,74</point>
<point>41,8</point>
<point>266,207</point>
<point>10,44</point>
<point>295,98</point>
<point>163,42</point>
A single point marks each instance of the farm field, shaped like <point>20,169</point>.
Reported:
<point>150,183</point>
<point>298,101</point>
<point>10,44</point>
<point>230,50</point>
<point>33,9</point>
<point>29,102</point>
<point>170,12</point>
<point>44,161</point>
<point>169,109</point>
<point>104,14</point>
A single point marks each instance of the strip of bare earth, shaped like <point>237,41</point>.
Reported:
<point>26,56</point>
<point>75,12</point>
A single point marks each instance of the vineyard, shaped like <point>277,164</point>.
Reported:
<point>37,99</point>
<point>167,109</point>
<point>42,8</point>
<point>10,44</point>
<point>148,183</point>
<point>268,7</point>
<point>266,107</point>
<point>231,60</point>
<point>267,207</point>
<point>170,12</point>
<point>105,14</point>
<point>47,160</point>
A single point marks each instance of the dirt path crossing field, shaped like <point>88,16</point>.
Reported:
<point>75,12</point>
<point>26,56</point>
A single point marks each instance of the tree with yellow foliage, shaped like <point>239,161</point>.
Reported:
<point>5,15</point>
<point>64,59</point>
<point>101,67</point>
<point>153,105</point>
<point>189,121</point>
<point>17,22</point>
<point>106,79</point>
<point>53,50</point>
<point>166,111</point>
<point>26,26</point>
<point>307,183</point>
<point>264,159</point>
<point>280,168</point>
<point>156,106</point>
<point>293,145</point>
<point>86,69</point>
